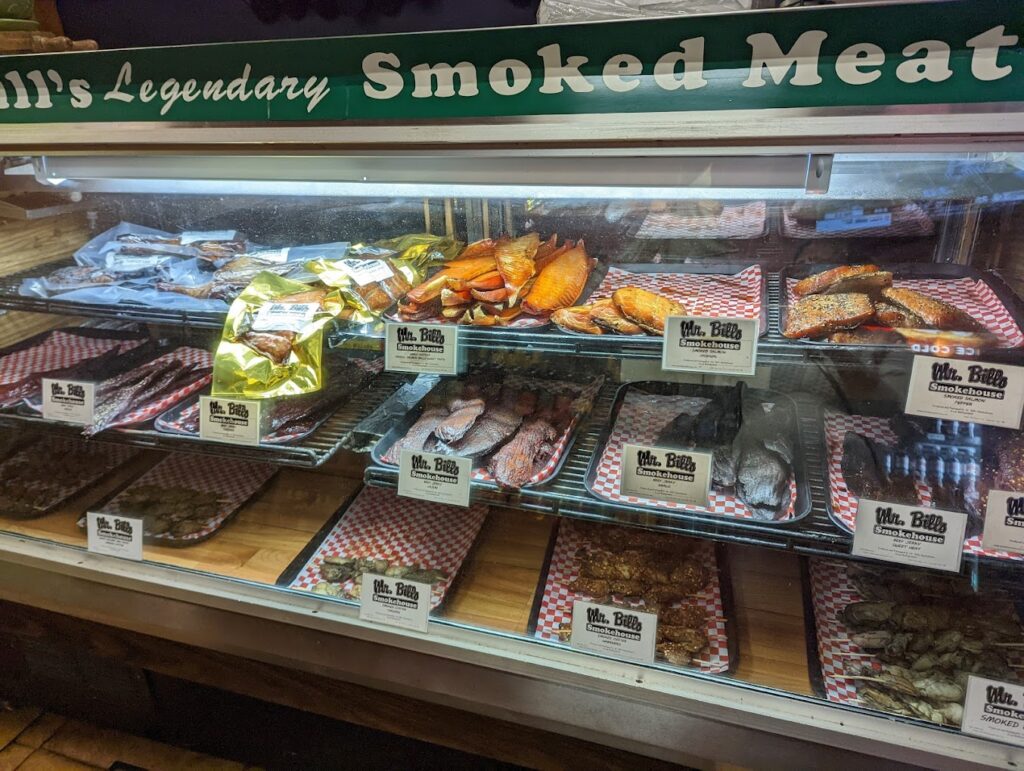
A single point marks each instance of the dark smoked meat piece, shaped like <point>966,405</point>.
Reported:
<point>862,466</point>
<point>463,414</point>
<point>512,465</point>
<point>488,432</point>
<point>416,437</point>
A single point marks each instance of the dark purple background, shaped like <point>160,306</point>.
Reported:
<point>128,23</point>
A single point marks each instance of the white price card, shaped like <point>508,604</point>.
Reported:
<point>236,421</point>
<point>394,601</point>
<point>432,477</point>
<point>284,317</point>
<point>423,349</point>
<point>114,535</point>
<point>713,345</point>
<point>614,630</point>
<point>910,535</point>
<point>1004,522</point>
<point>958,389</point>
<point>365,272</point>
<point>199,236</point>
<point>994,710</point>
<point>69,401</point>
<point>657,473</point>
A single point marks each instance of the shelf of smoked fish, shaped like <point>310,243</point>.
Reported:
<point>566,494</point>
<point>310,452</point>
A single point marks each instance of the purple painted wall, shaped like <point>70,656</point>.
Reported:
<point>127,23</point>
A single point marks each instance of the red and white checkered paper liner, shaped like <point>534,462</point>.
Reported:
<point>973,296</point>
<point>844,502</point>
<point>641,419</point>
<point>185,419</point>
<point>908,220</point>
<point>234,481</point>
<point>150,410</point>
<point>564,441</point>
<point>738,221</point>
<point>831,591</point>
<point>381,525</point>
<point>556,604</point>
<point>717,295</point>
<point>59,350</point>
<point>64,488</point>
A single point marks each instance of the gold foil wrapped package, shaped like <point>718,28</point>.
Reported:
<point>368,286</point>
<point>421,249</point>
<point>272,343</point>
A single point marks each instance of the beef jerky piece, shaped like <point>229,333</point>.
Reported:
<point>678,433</point>
<point>820,315</point>
<point>512,465</point>
<point>490,430</point>
<point>77,277</point>
<point>934,313</point>
<point>692,616</point>
<point>416,437</point>
<point>889,315</point>
<point>526,403</point>
<point>692,637</point>
<point>276,346</point>
<point>862,466</point>
<point>762,478</point>
<point>119,402</point>
<point>819,282</point>
<point>723,467</point>
<point>462,416</point>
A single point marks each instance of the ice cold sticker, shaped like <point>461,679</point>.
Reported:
<point>365,272</point>
<point>432,477</point>
<point>394,601</point>
<point>656,473</point>
<point>422,349</point>
<point>114,535</point>
<point>68,401</point>
<point>976,392</point>
<point>236,421</point>
<point>719,346</point>
<point>284,317</point>
<point>994,710</point>
<point>614,630</point>
<point>909,535</point>
<point>1004,521</point>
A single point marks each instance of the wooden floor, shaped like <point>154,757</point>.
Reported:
<point>34,740</point>
<point>496,587</point>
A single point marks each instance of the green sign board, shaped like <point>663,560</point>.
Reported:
<point>943,52</point>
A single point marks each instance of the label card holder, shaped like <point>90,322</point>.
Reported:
<point>957,389</point>
<point>716,346</point>
<point>910,535</point>
<point>657,473</point>
<point>423,349</point>
<point>235,421</point>
<point>395,602</point>
<point>626,633</point>
<point>114,535</point>
<point>436,478</point>
<point>69,401</point>
<point>994,710</point>
<point>1004,521</point>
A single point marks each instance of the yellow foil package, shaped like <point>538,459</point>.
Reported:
<point>272,343</point>
<point>372,278</point>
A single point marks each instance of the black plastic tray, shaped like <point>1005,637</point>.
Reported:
<point>802,505</point>
<point>909,270</point>
<point>401,428</point>
<point>724,585</point>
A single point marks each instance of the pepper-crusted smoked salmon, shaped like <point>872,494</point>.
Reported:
<point>561,282</point>
<point>646,309</point>
<point>514,258</point>
<point>935,313</point>
<point>820,315</point>
<point>819,282</point>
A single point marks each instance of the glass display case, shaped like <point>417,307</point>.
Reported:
<point>695,440</point>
